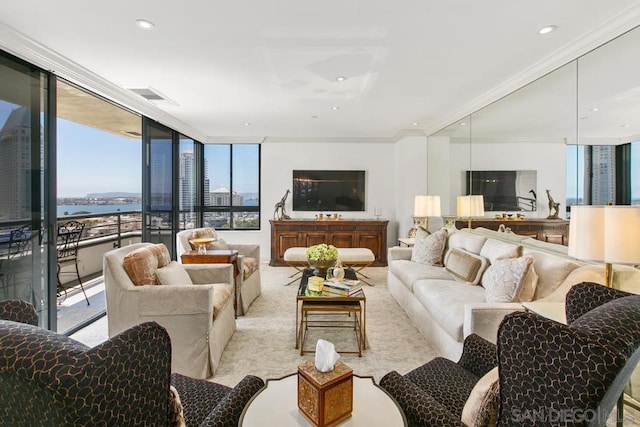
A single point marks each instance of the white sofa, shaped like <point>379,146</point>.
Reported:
<point>446,310</point>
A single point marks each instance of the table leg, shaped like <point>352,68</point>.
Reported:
<point>297,329</point>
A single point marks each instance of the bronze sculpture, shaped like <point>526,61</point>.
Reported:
<point>554,208</point>
<point>279,211</point>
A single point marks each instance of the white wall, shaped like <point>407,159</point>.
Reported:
<point>411,179</point>
<point>279,159</point>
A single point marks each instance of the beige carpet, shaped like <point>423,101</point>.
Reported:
<point>264,341</point>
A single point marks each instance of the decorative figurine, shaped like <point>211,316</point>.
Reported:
<point>279,211</point>
<point>554,208</point>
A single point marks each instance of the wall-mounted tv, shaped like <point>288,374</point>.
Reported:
<point>504,190</point>
<point>328,190</point>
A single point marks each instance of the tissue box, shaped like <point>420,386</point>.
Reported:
<point>325,398</point>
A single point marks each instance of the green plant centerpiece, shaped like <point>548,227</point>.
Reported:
<point>321,257</point>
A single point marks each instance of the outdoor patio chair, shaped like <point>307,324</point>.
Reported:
<point>69,234</point>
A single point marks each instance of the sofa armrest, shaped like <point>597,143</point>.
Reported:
<point>420,408</point>
<point>172,300</point>
<point>202,274</point>
<point>484,319</point>
<point>229,409</point>
<point>397,252</point>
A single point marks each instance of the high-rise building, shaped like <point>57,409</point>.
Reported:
<point>187,181</point>
<point>222,197</point>
<point>600,165</point>
<point>15,166</point>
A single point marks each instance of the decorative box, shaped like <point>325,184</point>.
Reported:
<point>325,398</point>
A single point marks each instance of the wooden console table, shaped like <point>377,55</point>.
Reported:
<point>547,230</point>
<point>342,233</point>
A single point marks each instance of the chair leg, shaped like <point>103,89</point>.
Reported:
<point>60,289</point>
<point>81,285</point>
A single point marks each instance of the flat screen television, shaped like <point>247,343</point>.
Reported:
<point>328,190</point>
<point>504,190</point>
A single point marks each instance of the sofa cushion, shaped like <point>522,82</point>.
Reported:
<point>445,301</point>
<point>142,263</point>
<point>510,280</point>
<point>468,241</point>
<point>495,249</point>
<point>409,272</point>
<point>173,274</point>
<point>552,271</point>
<point>249,265</point>
<point>465,266</point>
<point>219,244</point>
<point>429,248</point>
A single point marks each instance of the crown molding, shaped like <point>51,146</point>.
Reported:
<point>37,54</point>
<point>329,140</point>
<point>615,27</point>
<point>404,133</point>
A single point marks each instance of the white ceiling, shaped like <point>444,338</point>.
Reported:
<point>274,63</point>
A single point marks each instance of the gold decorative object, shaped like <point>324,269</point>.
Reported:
<point>325,398</point>
<point>201,243</point>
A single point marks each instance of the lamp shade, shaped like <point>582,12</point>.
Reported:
<point>622,234</point>
<point>605,233</point>
<point>586,233</point>
<point>469,206</point>
<point>425,206</point>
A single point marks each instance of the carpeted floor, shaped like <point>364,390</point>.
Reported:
<point>264,341</point>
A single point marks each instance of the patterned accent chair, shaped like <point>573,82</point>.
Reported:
<point>546,369</point>
<point>248,280</point>
<point>50,379</point>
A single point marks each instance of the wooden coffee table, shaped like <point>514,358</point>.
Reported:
<point>217,256</point>
<point>277,403</point>
<point>314,303</point>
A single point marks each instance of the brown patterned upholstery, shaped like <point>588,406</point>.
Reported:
<point>554,374</point>
<point>434,394</point>
<point>49,379</point>
<point>18,311</point>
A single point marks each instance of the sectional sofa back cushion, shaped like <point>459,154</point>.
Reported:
<point>552,271</point>
<point>495,249</point>
<point>428,249</point>
<point>510,280</point>
<point>465,266</point>
<point>142,263</point>
<point>173,274</point>
<point>468,241</point>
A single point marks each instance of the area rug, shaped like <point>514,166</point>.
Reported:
<point>264,341</point>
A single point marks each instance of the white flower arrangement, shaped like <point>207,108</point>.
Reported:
<point>322,252</point>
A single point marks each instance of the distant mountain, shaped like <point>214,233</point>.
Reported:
<point>111,195</point>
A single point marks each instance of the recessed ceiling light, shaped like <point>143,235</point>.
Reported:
<point>463,124</point>
<point>341,78</point>
<point>416,123</point>
<point>626,125</point>
<point>548,29</point>
<point>143,23</point>
<point>595,109</point>
<point>335,107</point>
<point>247,123</point>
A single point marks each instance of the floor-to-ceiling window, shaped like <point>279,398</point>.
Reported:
<point>232,174</point>
<point>635,173</point>
<point>99,185</point>
<point>25,223</point>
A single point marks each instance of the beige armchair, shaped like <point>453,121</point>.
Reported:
<point>248,280</point>
<point>199,317</point>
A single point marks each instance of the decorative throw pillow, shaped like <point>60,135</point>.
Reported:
<point>495,249</point>
<point>249,265</point>
<point>173,274</point>
<point>142,263</point>
<point>428,249</point>
<point>510,280</point>
<point>176,411</point>
<point>218,244</point>
<point>481,408</point>
<point>465,266</point>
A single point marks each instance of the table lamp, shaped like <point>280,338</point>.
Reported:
<point>470,206</point>
<point>609,234</point>
<point>423,208</point>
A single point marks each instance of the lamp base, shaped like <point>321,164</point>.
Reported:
<point>418,221</point>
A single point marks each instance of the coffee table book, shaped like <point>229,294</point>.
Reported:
<point>325,398</point>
